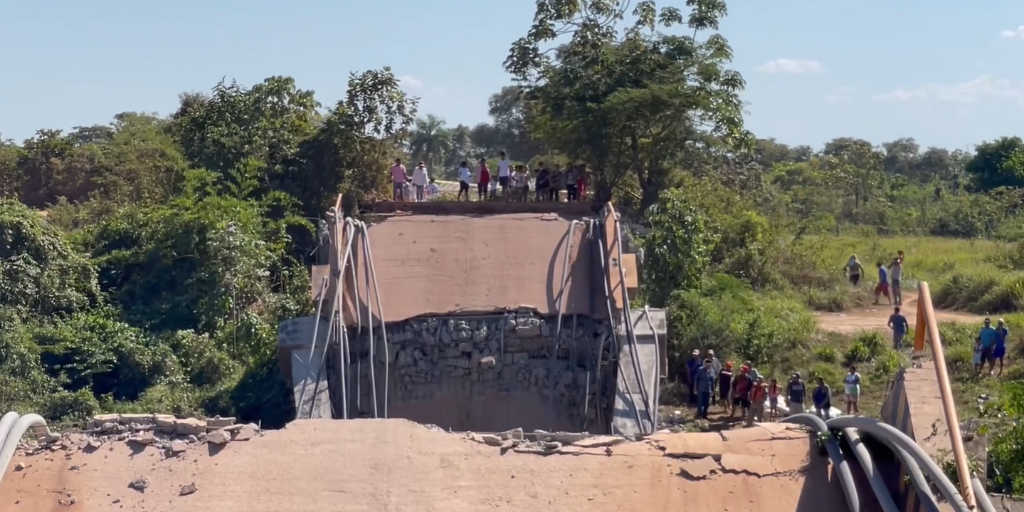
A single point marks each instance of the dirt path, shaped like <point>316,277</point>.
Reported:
<point>876,317</point>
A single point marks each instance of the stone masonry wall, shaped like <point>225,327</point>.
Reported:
<point>485,374</point>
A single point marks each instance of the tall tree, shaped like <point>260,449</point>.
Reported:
<point>999,163</point>
<point>631,102</point>
<point>430,141</point>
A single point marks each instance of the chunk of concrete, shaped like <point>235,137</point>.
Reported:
<point>144,438</point>
<point>99,420</point>
<point>178,447</point>
<point>218,437</point>
<point>217,422</point>
<point>246,433</point>
<point>165,423</point>
<point>136,419</point>
<point>488,362</point>
<point>189,427</point>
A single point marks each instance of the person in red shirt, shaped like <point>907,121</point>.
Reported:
<point>483,181</point>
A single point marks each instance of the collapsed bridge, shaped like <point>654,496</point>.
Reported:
<point>479,316</point>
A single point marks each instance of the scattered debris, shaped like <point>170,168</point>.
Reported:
<point>218,437</point>
<point>187,489</point>
<point>19,467</point>
<point>139,484</point>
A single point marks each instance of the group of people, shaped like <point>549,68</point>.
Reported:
<point>516,181</point>
<point>990,346</point>
<point>419,187</point>
<point>745,392</point>
<point>888,277</point>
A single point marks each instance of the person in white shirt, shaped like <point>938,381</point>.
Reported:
<point>518,183</point>
<point>419,180</point>
<point>504,172</point>
<point>432,189</point>
<point>465,177</point>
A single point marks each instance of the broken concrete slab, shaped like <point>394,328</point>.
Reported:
<point>699,469</point>
<point>218,437</point>
<point>189,427</point>
<point>245,433</point>
<point>689,445</point>
<point>217,422</point>
<point>599,441</point>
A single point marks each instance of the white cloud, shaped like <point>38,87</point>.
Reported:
<point>791,67</point>
<point>410,82</point>
<point>974,91</point>
<point>1013,34</point>
<point>840,94</point>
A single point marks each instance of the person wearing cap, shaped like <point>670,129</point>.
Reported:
<point>704,381</point>
<point>758,396</point>
<point>716,368</point>
<point>796,394</point>
<point>725,387</point>
<point>987,336</point>
<point>692,365</point>
<point>999,352</point>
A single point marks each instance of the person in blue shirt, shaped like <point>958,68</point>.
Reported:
<point>704,382</point>
<point>999,352</point>
<point>883,284</point>
<point>899,326</point>
<point>987,338</point>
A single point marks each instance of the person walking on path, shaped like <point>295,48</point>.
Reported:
<point>725,387</point>
<point>758,397</point>
<point>1000,351</point>
<point>854,270</point>
<point>704,381</point>
<point>796,393</point>
<point>898,324</point>
<point>852,384</point>
<point>896,278</point>
<point>822,397</point>
<point>883,284</point>
<point>987,335</point>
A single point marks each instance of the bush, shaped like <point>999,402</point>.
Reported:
<point>826,354</point>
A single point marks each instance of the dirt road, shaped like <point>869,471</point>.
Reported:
<point>876,317</point>
<point>396,465</point>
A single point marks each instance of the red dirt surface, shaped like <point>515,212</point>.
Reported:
<point>875,318</point>
<point>396,465</point>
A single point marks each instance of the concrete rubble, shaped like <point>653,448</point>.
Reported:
<point>174,436</point>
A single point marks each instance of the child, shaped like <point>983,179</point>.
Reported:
<point>773,400</point>
<point>483,179</point>
<point>883,284</point>
<point>758,396</point>
<point>978,363</point>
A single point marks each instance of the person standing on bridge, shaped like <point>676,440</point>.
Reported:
<point>419,181</point>
<point>716,368</point>
<point>1000,351</point>
<point>483,178</point>
<point>398,179</point>
<point>504,175</point>
<point>741,385</point>
<point>796,393</point>
<point>465,177</point>
<point>898,324</point>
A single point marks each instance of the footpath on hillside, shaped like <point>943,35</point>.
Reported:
<point>875,318</point>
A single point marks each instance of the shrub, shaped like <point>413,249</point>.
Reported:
<point>826,354</point>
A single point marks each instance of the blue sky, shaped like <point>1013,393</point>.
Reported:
<point>939,71</point>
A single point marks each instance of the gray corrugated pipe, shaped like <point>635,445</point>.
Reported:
<point>11,432</point>
<point>834,453</point>
<point>893,437</point>
<point>981,495</point>
<point>868,465</point>
<point>921,485</point>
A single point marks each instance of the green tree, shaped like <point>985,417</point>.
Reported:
<point>430,141</point>
<point>999,163</point>
<point>634,104</point>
